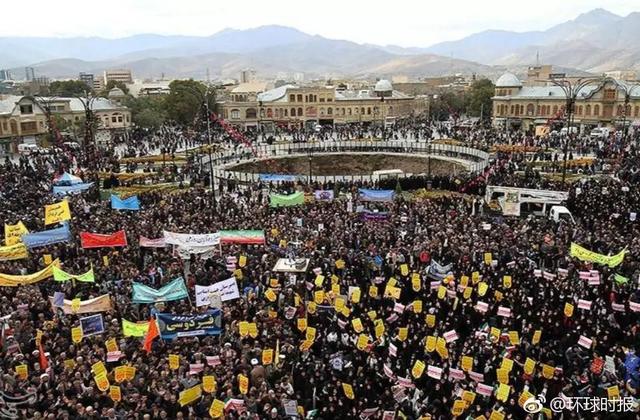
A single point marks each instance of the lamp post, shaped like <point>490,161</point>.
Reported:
<point>628,90</point>
<point>204,98</point>
<point>571,90</point>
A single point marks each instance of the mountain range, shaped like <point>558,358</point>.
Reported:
<point>593,42</point>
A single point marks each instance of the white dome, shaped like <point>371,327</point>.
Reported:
<point>116,92</point>
<point>383,86</point>
<point>508,80</point>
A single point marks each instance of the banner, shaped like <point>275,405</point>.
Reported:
<point>175,326</point>
<point>374,216</point>
<point>92,325</point>
<point>584,254</point>
<point>511,203</point>
<point>227,289</point>
<point>241,236</point>
<point>98,240</point>
<point>56,213</point>
<point>191,240</point>
<point>276,178</point>
<point>13,233</point>
<point>47,237</point>
<point>170,291</point>
<point>131,203</point>
<point>59,275</point>
<point>134,329</point>
<point>376,195</point>
<point>278,200</point>
<point>13,252</point>
<point>184,252</point>
<point>99,304</point>
<point>152,243</point>
<point>11,280</point>
<point>71,189</point>
<point>323,195</point>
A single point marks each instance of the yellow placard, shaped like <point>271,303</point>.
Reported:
<point>498,295</point>
<point>475,277</point>
<point>22,371</point>
<point>529,366</point>
<point>348,391</point>
<point>56,213</point>
<point>174,361</point>
<point>273,283</point>
<point>430,344</point>
<point>267,356</point>
<point>418,369</point>
<point>311,333</point>
<point>431,320</point>
<point>76,334</point>
<point>506,281</point>
<point>613,392</point>
<point>130,372</point>
<point>415,282</point>
<point>379,329</point>
<point>334,279</point>
<point>502,375</point>
<point>340,264</point>
<point>467,292</point>
<point>190,395</point>
<point>270,295</point>
<point>536,337</point>
<point>120,374</point>
<point>243,384</point>
<point>75,305</point>
<point>468,397</point>
<point>217,408</point>
<point>238,274</point>
<point>402,333</point>
<point>69,364</point>
<point>319,281</point>
<point>13,233</point>
<point>404,270</point>
<point>458,407</point>
<point>209,384</point>
<point>417,306</point>
<point>243,327</point>
<point>111,345</point>
<point>568,310</point>
<point>98,368</point>
<point>496,415</point>
<point>514,338</point>
<point>467,363</point>
<point>494,332</point>
<point>524,397</point>
<point>372,315</point>
<point>357,325</point>
<point>442,292</point>
<point>242,261</point>
<point>547,371</point>
<point>311,307</point>
<point>302,324</point>
<point>339,304</point>
<point>394,292</point>
<point>441,348</point>
<point>47,259</point>
<point>306,345</point>
<point>482,288</point>
<point>363,342</point>
<point>318,296</point>
<point>253,329</point>
<point>373,291</point>
<point>355,295</point>
<point>507,364</point>
<point>115,393</point>
<point>503,391</point>
<point>102,381</point>
<point>464,281</point>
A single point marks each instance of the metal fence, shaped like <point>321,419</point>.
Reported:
<point>473,159</point>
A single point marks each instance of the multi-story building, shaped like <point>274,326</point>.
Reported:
<point>87,78</point>
<point>30,73</point>
<point>247,76</point>
<point>23,117</point>
<point>599,104</point>
<point>119,75</point>
<point>5,74</point>
<point>295,106</point>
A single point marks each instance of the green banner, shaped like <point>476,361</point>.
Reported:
<point>59,275</point>
<point>277,200</point>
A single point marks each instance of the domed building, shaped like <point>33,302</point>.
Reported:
<point>383,88</point>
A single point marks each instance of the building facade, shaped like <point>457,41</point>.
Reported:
<point>600,104</point>
<point>23,118</point>
<point>119,75</point>
<point>295,106</point>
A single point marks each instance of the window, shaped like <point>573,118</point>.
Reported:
<point>342,111</point>
<point>369,111</point>
<point>609,94</point>
<point>128,120</point>
<point>235,114</point>
<point>349,111</point>
<point>286,112</point>
<point>321,99</point>
<point>119,118</point>
<point>251,113</point>
<point>292,98</point>
<point>269,113</point>
<point>293,112</point>
<point>4,123</point>
<point>299,97</point>
<point>636,113</point>
<point>26,109</point>
<point>587,110</point>
<point>580,110</point>
<point>530,109</point>
<point>29,126</point>
<point>114,119</point>
<point>329,111</point>
<point>555,109</point>
<point>322,112</point>
<point>596,110</point>
<point>299,112</point>
<point>619,110</point>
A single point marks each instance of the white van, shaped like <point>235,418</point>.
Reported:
<point>558,213</point>
<point>27,149</point>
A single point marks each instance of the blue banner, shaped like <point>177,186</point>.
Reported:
<point>276,178</point>
<point>71,189</point>
<point>170,291</point>
<point>92,325</point>
<point>131,203</point>
<point>376,195</point>
<point>175,326</point>
<point>47,237</point>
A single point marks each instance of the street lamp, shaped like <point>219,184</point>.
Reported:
<point>627,88</point>
<point>204,98</point>
<point>571,90</point>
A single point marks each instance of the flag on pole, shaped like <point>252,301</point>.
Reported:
<point>152,333</point>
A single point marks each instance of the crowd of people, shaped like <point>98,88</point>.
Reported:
<point>430,310</point>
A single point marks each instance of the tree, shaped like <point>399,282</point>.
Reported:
<point>68,88</point>
<point>448,104</point>
<point>147,111</point>
<point>478,99</point>
<point>185,100</point>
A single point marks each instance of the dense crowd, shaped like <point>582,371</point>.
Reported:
<point>427,268</point>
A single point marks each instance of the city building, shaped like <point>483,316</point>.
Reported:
<point>87,78</point>
<point>600,104</point>
<point>23,118</point>
<point>294,106</point>
<point>30,73</point>
<point>247,76</point>
<point>626,75</point>
<point>5,74</point>
<point>118,75</point>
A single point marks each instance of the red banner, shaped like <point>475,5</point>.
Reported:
<point>97,240</point>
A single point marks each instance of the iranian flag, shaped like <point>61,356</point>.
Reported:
<point>242,236</point>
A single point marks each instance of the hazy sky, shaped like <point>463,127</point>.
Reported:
<point>400,22</point>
